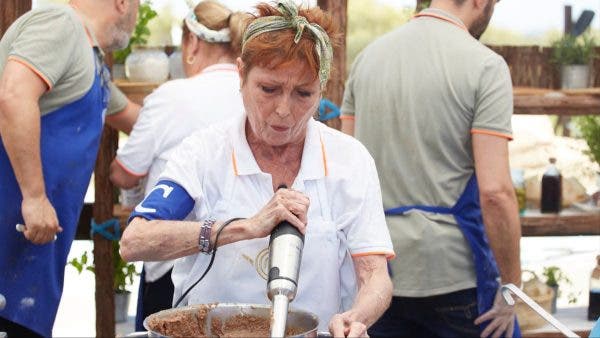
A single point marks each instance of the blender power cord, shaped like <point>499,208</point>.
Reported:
<point>212,259</point>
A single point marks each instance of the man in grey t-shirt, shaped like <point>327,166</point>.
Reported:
<point>55,93</point>
<point>433,106</point>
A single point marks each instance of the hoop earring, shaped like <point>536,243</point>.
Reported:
<point>190,60</point>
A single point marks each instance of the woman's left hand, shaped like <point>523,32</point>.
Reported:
<point>342,325</point>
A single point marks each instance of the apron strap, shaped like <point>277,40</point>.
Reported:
<point>401,210</point>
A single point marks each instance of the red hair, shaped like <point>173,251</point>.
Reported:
<point>277,48</point>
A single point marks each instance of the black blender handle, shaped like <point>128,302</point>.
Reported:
<point>285,227</point>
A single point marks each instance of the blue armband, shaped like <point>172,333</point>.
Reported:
<point>167,200</point>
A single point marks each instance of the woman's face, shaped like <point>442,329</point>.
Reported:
<point>280,102</point>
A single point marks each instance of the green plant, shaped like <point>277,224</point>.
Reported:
<point>140,33</point>
<point>570,50</point>
<point>555,276</point>
<point>123,271</point>
<point>589,126</point>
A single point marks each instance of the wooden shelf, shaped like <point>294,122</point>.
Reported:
<point>539,101</point>
<point>136,91</point>
<point>567,223</point>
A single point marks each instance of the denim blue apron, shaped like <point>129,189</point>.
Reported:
<point>467,213</point>
<point>32,275</point>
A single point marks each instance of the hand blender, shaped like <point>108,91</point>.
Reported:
<point>285,254</point>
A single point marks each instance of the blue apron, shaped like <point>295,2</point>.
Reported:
<point>467,213</point>
<point>32,275</point>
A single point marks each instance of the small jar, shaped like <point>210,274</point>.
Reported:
<point>147,64</point>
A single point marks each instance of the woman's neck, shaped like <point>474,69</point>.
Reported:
<point>211,55</point>
<point>282,162</point>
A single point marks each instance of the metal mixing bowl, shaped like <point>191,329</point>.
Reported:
<point>305,321</point>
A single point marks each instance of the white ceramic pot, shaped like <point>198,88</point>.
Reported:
<point>147,64</point>
<point>574,76</point>
<point>121,306</point>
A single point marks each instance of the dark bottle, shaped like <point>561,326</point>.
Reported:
<point>551,189</point>
<point>594,305</point>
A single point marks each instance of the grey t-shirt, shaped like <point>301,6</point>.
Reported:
<point>417,94</point>
<point>52,41</point>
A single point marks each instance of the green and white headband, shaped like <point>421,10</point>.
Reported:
<point>291,19</point>
<point>204,32</point>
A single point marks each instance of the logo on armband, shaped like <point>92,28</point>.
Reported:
<point>167,190</point>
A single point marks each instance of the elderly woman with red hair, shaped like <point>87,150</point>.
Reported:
<point>230,174</point>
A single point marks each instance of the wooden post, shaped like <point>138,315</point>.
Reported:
<point>563,121</point>
<point>568,19</point>
<point>103,248</point>
<point>10,10</point>
<point>335,87</point>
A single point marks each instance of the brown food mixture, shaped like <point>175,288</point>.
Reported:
<point>191,324</point>
<point>180,324</point>
<point>247,326</point>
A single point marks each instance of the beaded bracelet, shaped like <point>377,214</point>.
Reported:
<point>204,239</point>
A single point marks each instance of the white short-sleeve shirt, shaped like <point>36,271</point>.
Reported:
<point>345,218</point>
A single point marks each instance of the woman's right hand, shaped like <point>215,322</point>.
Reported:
<point>286,205</point>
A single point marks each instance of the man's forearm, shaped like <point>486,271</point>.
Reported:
<point>20,131</point>
<point>503,230</point>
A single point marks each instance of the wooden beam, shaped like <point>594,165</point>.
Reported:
<point>10,10</point>
<point>561,224</point>
<point>557,104</point>
<point>103,248</point>
<point>335,87</point>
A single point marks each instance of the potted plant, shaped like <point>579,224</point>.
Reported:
<point>123,277</point>
<point>554,277</point>
<point>139,37</point>
<point>573,55</point>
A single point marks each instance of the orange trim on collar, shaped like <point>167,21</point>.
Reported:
<point>218,69</point>
<point>234,162</point>
<point>347,117</point>
<point>324,156</point>
<point>492,133</point>
<point>33,69</point>
<point>443,18</point>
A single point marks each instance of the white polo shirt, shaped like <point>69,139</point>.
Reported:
<point>171,113</point>
<point>345,218</point>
